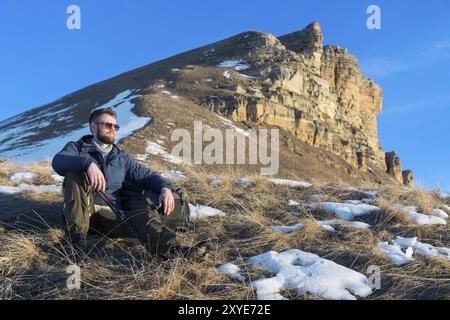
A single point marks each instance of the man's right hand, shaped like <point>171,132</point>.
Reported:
<point>96,178</point>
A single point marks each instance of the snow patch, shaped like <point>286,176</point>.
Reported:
<point>26,187</point>
<point>231,125</point>
<point>412,246</point>
<point>172,174</point>
<point>327,224</point>
<point>231,270</point>
<point>200,211</point>
<point>307,272</point>
<point>394,253</point>
<point>236,64</point>
<point>345,211</point>
<point>291,183</point>
<point>287,229</point>
<point>57,177</point>
<point>18,176</point>
<point>419,218</point>
<point>158,150</point>
<point>242,181</point>
<point>292,203</point>
<point>439,213</point>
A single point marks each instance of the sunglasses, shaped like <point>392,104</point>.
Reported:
<point>109,125</point>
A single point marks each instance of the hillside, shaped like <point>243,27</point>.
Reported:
<point>337,208</point>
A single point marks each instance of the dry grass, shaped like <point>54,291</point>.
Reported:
<point>33,261</point>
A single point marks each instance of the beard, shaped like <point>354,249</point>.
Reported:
<point>108,139</point>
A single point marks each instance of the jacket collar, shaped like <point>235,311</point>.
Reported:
<point>87,145</point>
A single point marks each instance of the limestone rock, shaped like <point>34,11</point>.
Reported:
<point>316,92</point>
<point>394,166</point>
<point>408,178</point>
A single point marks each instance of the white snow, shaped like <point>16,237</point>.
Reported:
<point>226,74</point>
<point>23,176</point>
<point>57,177</point>
<point>242,181</point>
<point>200,211</point>
<point>444,195</point>
<point>231,125</point>
<point>307,272</point>
<point>345,211</point>
<point>439,213</point>
<point>172,174</point>
<point>327,224</point>
<point>446,208</point>
<point>46,149</point>
<point>291,183</point>
<point>413,246</point>
<point>357,201</point>
<point>423,249</point>
<point>26,187</point>
<point>231,270</point>
<point>314,196</point>
<point>158,150</point>
<point>292,203</point>
<point>134,123</point>
<point>236,64</point>
<point>419,218</point>
<point>394,253</point>
<point>168,93</point>
<point>287,229</point>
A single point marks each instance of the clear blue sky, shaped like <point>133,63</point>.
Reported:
<point>41,60</point>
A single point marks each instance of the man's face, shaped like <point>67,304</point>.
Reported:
<point>103,129</point>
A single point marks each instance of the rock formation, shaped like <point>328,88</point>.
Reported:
<point>315,92</point>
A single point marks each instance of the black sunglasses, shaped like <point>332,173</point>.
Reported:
<point>109,125</point>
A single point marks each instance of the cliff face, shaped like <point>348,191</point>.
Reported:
<point>317,93</point>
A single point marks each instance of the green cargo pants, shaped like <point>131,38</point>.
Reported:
<point>156,230</point>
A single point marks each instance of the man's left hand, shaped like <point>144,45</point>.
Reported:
<point>166,200</point>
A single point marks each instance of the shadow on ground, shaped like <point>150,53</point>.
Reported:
<point>21,210</point>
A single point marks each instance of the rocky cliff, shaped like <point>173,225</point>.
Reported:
<point>315,92</point>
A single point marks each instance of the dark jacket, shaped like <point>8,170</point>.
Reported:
<point>119,169</point>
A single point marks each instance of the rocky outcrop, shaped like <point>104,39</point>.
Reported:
<point>316,92</point>
<point>408,179</point>
<point>394,166</point>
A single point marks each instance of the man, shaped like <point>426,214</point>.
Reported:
<point>95,164</point>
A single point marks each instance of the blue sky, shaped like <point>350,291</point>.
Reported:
<point>41,60</point>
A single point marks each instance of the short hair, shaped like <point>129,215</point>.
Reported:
<point>97,113</point>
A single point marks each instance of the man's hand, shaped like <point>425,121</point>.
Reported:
<point>166,200</point>
<point>96,178</point>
